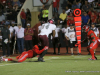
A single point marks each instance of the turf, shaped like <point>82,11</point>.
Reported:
<point>54,65</point>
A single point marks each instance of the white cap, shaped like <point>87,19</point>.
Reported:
<point>28,24</point>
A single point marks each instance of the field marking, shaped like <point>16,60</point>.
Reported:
<point>26,62</point>
<point>13,64</point>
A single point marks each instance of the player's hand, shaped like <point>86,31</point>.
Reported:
<point>46,47</point>
<point>77,44</point>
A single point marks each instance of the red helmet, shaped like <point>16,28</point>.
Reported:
<point>51,21</point>
<point>85,28</point>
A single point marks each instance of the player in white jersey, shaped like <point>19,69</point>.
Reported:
<point>56,41</point>
<point>96,31</point>
<point>64,31</point>
<point>70,34</point>
<point>45,30</point>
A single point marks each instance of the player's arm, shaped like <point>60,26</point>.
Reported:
<point>85,40</point>
<point>92,37</point>
<point>53,33</point>
<point>40,51</point>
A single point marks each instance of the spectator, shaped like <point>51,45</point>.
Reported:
<point>2,17</point>
<point>74,5</point>
<point>40,13</point>
<point>28,15</point>
<point>28,37</point>
<point>79,4</point>
<point>68,10</point>
<point>86,7</point>
<point>45,13</point>
<point>85,19</point>
<point>70,19</point>
<point>93,18</point>
<point>55,8</point>
<point>98,17</point>
<point>62,18</point>
<point>23,18</point>
<point>16,4</point>
<point>5,40</point>
<point>19,34</point>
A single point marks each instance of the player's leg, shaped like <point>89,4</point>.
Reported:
<point>59,45</point>
<point>71,47</point>
<point>46,43</point>
<point>91,49</point>
<point>23,57</point>
<point>54,46</point>
<point>67,41</point>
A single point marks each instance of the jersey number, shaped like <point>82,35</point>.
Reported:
<point>45,26</point>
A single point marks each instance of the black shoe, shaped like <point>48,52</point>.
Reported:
<point>88,53</point>
<point>67,53</point>
<point>79,54</point>
<point>94,53</point>
<point>72,54</point>
<point>95,57</point>
<point>58,53</point>
<point>40,60</point>
<point>54,53</point>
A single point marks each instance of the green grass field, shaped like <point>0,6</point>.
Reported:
<point>54,65</point>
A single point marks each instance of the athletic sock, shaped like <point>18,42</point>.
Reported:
<point>92,53</point>
<point>7,59</point>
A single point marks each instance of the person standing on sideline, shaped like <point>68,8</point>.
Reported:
<point>28,37</point>
<point>64,31</point>
<point>23,18</point>
<point>5,40</point>
<point>71,36</point>
<point>11,29</point>
<point>56,41</point>
<point>19,34</point>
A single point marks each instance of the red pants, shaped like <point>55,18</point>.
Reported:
<point>94,45</point>
<point>22,57</point>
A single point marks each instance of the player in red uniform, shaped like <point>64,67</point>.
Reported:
<point>26,54</point>
<point>94,41</point>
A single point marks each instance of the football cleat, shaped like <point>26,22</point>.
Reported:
<point>91,59</point>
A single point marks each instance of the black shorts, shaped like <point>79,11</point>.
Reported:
<point>72,44</point>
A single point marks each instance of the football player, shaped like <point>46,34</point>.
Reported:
<point>94,41</point>
<point>26,54</point>
<point>46,29</point>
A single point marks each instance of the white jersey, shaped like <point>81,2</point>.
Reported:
<point>46,29</point>
<point>57,31</point>
<point>11,29</point>
<point>96,31</point>
<point>71,34</point>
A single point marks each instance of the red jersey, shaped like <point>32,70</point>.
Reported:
<point>3,1</point>
<point>99,15</point>
<point>28,37</point>
<point>35,51</point>
<point>70,21</point>
<point>90,37</point>
<point>23,15</point>
<point>93,18</point>
<point>55,2</point>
